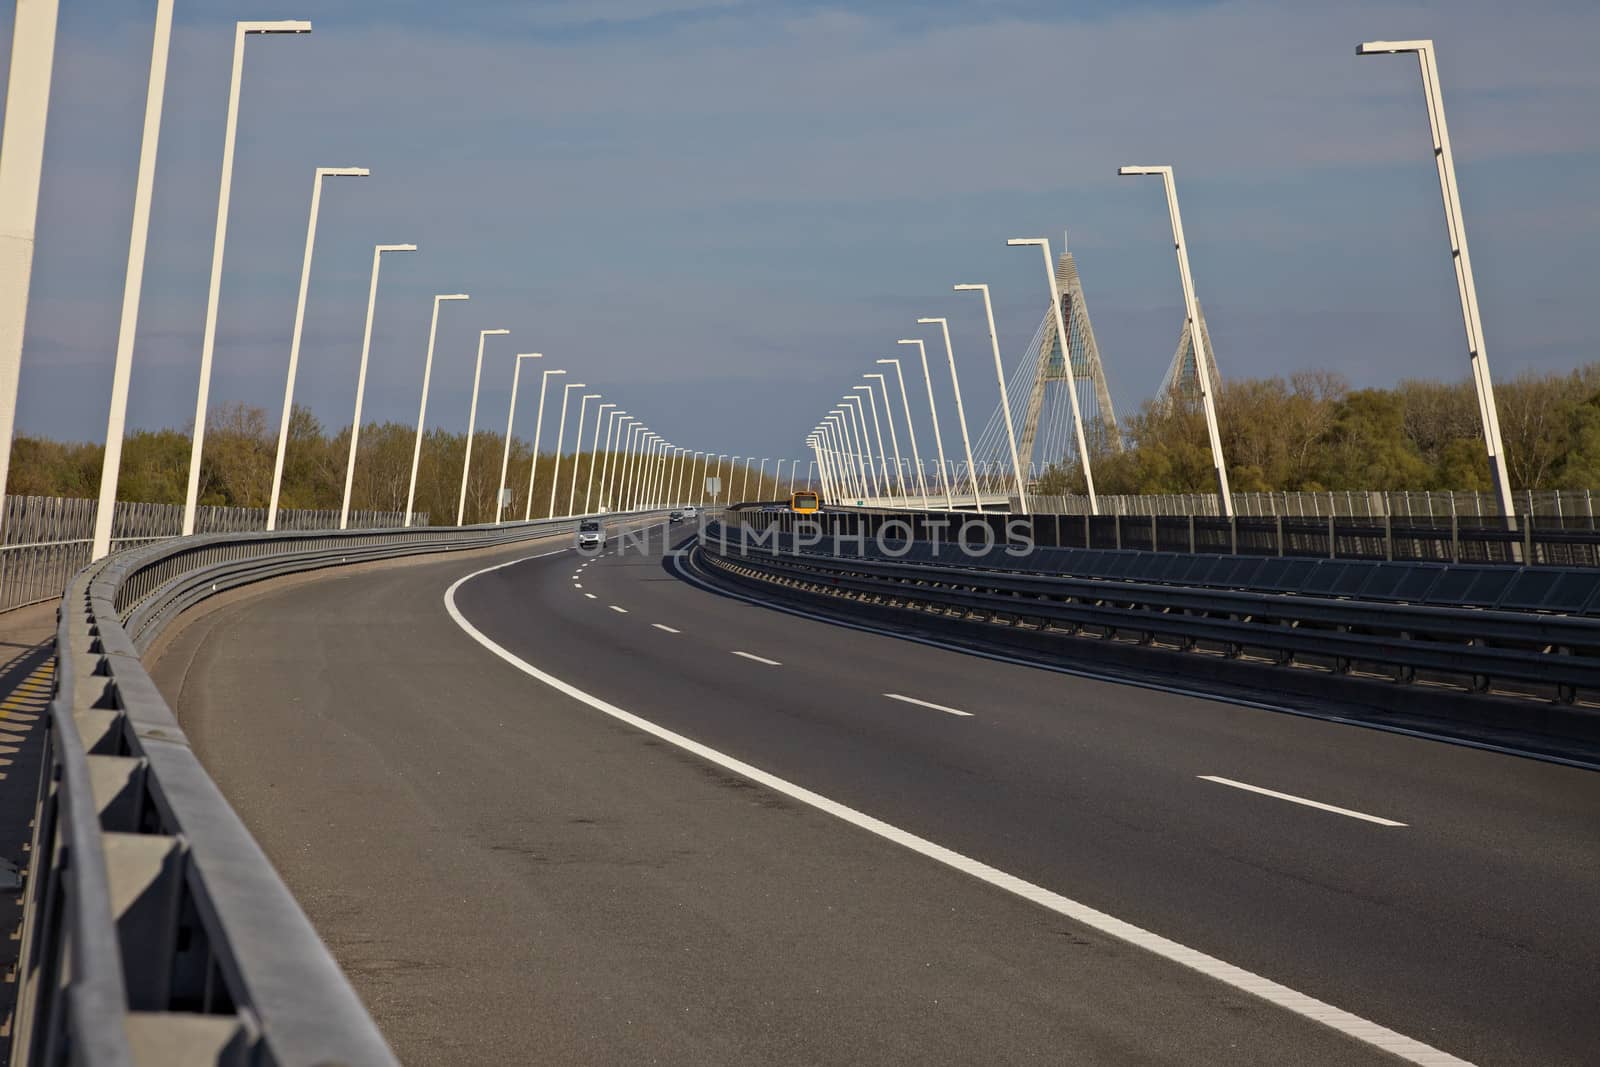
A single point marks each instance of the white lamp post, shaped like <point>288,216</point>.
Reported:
<point>894,438</point>
<point>594,453</point>
<point>858,429</point>
<point>627,483</point>
<point>422,410</point>
<point>1202,358</point>
<point>1066,361</point>
<point>538,429</point>
<point>877,431</point>
<point>1456,228</point>
<point>472,424</point>
<point>33,53</point>
<point>850,416</point>
<point>647,469</point>
<point>843,473</point>
<point>561,433</point>
<point>911,428</point>
<point>1005,401</point>
<point>577,451</point>
<point>208,343</point>
<point>133,284</point>
<point>961,415</point>
<point>938,437</point>
<point>361,379</point>
<point>299,324</point>
<point>511,422</point>
<point>614,424</point>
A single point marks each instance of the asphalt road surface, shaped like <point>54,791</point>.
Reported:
<point>885,852</point>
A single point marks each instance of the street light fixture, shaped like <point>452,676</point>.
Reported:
<point>1466,286</point>
<point>299,324</point>
<point>1202,358</point>
<point>472,424</point>
<point>961,414</point>
<point>577,450</point>
<point>133,284</point>
<point>877,431</point>
<point>361,379</point>
<point>594,452</point>
<point>538,429</point>
<point>1000,376</point>
<point>511,422</point>
<point>894,438</point>
<point>1043,245</point>
<point>561,432</point>
<point>422,410</point>
<point>614,424</point>
<point>905,404</point>
<point>938,437</point>
<point>208,343</point>
<point>858,429</point>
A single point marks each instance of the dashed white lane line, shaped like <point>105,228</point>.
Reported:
<point>1299,800</point>
<point>665,629</point>
<point>929,704</point>
<point>591,596</point>
<point>623,611</point>
<point>577,585</point>
<point>1307,1007</point>
<point>758,659</point>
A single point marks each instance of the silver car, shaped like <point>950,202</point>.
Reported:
<point>591,534</point>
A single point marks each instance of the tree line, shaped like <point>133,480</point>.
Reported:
<point>240,445</point>
<point>1311,432</point>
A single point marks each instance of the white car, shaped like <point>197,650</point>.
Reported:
<point>591,534</point>
<point>690,511</point>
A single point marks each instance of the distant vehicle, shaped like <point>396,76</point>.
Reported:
<point>675,516</point>
<point>805,503</point>
<point>690,511</point>
<point>591,534</point>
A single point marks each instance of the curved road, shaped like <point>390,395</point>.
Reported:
<point>487,808</point>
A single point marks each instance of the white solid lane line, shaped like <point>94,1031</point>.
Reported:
<point>1348,1023</point>
<point>665,629</point>
<point>591,596</point>
<point>929,704</point>
<point>1298,800</point>
<point>624,611</point>
<point>759,659</point>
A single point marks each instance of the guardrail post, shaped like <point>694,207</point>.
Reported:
<point>1333,539</point>
<point>1388,535</point>
<point>1527,538</point>
<point>1087,530</point>
<point>1281,551</point>
<point>1233,534</point>
<point>1192,548</point>
<point>1155,543</point>
<point>1118,521</point>
<point>1455,538</point>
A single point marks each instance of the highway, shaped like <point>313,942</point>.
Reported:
<point>475,782</point>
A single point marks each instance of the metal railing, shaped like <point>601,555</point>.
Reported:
<point>1536,540</point>
<point>1574,507</point>
<point>155,930</point>
<point>45,540</point>
<point>1539,628</point>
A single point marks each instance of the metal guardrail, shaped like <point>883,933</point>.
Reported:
<point>1557,652</point>
<point>1572,506</point>
<point>1536,540</point>
<point>45,540</point>
<point>155,930</point>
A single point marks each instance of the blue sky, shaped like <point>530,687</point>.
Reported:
<point>720,213</point>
